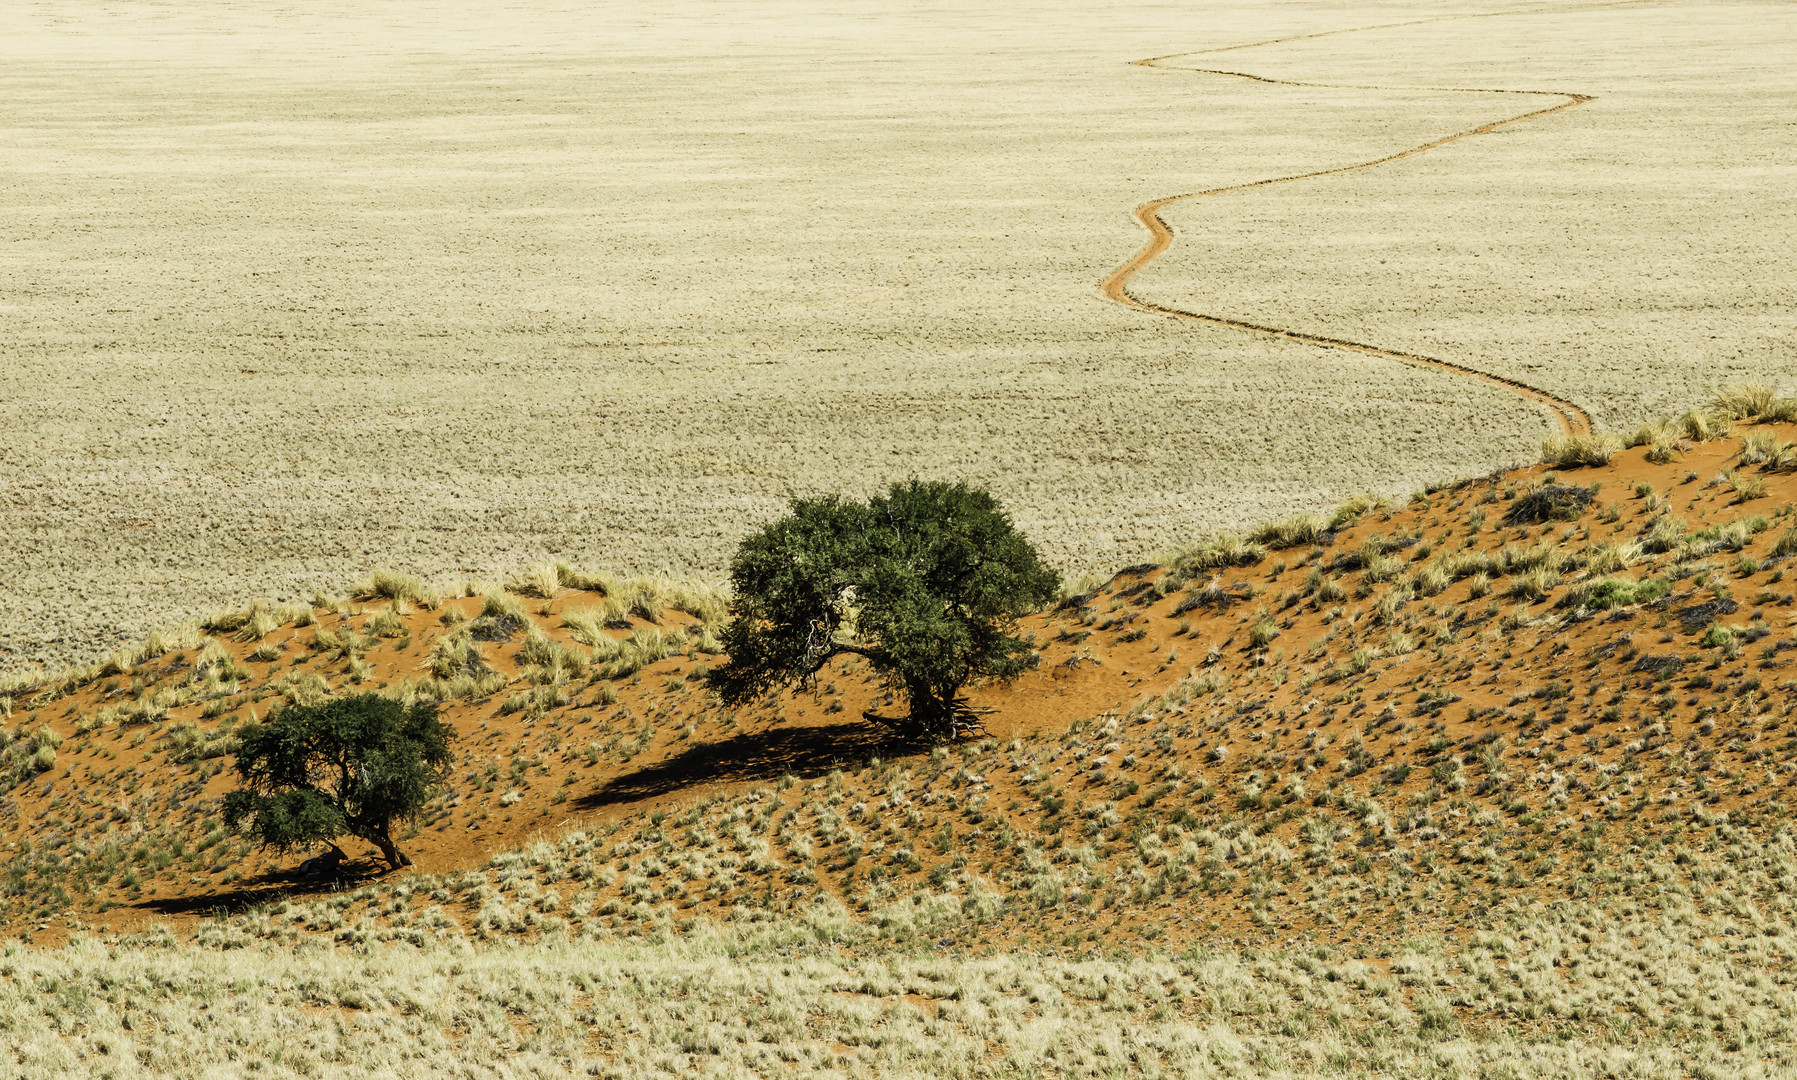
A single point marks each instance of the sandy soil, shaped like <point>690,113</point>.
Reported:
<point>287,295</point>
<point>1591,724</point>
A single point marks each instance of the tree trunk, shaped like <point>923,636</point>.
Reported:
<point>389,850</point>
<point>932,713</point>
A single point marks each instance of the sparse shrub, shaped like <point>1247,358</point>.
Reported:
<point>1717,636</point>
<point>1543,556</point>
<point>1386,610</point>
<point>587,626</point>
<point>645,645</point>
<point>456,654</point>
<point>1550,502</point>
<point>1649,433</point>
<point>1459,565</point>
<point>25,756</point>
<point>543,651</point>
<point>1702,427</point>
<point>216,664</point>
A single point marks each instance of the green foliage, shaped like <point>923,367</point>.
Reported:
<point>926,582</point>
<point>1604,593</point>
<point>350,766</point>
<point>1717,636</point>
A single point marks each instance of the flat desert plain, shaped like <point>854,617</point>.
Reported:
<point>291,291</point>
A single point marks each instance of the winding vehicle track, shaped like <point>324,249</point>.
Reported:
<point>1568,416</point>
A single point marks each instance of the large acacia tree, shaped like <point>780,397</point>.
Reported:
<point>926,582</point>
<point>351,765</point>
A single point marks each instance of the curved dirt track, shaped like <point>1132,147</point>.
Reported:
<point>1568,416</point>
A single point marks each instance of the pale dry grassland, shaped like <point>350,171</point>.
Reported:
<point>1552,251</point>
<point>1575,993</point>
<point>448,288</point>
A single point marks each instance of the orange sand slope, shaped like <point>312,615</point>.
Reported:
<point>1393,727</point>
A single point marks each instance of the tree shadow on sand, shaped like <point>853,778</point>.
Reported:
<point>267,889</point>
<point>804,752</point>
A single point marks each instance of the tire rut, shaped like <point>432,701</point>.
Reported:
<point>1568,416</point>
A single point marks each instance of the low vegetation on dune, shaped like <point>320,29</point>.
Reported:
<point>1494,782</point>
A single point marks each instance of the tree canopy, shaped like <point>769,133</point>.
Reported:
<point>925,581</point>
<point>349,766</point>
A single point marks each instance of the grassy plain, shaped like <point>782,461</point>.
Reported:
<point>1570,995</point>
<point>449,288</point>
<point>1546,251</point>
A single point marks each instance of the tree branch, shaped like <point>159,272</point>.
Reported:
<point>836,649</point>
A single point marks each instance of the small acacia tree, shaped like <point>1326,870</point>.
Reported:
<point>350,766</point>
<point>926,582</point>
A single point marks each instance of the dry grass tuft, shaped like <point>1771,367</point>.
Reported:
<point>1219,552</point>
<point>543,580</point>
<point>1295,531</point>
<point>399,588</point>
<point>1745,401</point>
<point>1576,451</point>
